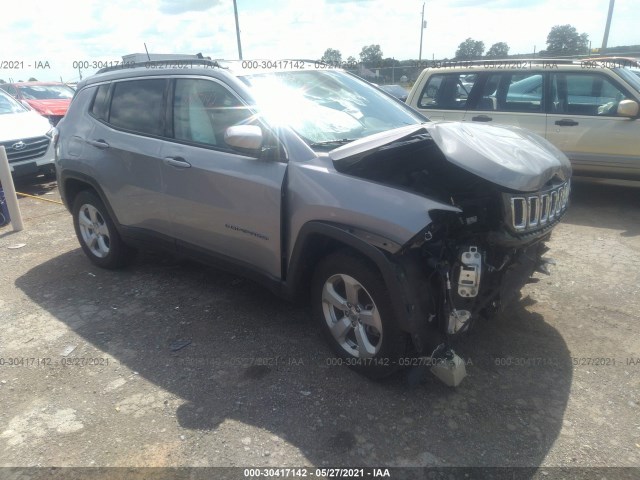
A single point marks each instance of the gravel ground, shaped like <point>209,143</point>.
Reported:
<point>555,381</point>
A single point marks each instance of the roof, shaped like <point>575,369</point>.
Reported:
<point>519,64</point>
<point>238,67</point>
<point>30,84</point>
<point>202,66</point>
<point>615,61</point>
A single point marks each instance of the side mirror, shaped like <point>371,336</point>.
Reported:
<point>244,137</point>
<point>628,108</point>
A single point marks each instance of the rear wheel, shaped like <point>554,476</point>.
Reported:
<point>353,308</point>
<point>97,233</point>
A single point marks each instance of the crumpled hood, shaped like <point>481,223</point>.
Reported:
<point>512,157</point>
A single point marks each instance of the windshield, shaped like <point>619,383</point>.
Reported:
<point>9,105</point>
<point>45,92</point>
<point>631,75</point>
<point>327,107</point>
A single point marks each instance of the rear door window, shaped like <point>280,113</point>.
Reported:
<point>508,92</point>
<point>448,91</point>
<point>138,105</point>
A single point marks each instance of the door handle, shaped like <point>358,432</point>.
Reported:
<point>482,118</point>
<point>177,162</point>
<point>101,144</point>
<point>566,123</point>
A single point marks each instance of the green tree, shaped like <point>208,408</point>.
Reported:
<point>2,81</point>
<point>33,79</point>
<point>332,56</point>
<point>352,60</point>
<point>497,50</point>
<point>371,55</point>
<point>565,40</point>
<point>469,49</point>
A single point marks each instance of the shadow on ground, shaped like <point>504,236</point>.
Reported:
<point>617,207</point>
<point>35,185</point>
<point>507,412</point>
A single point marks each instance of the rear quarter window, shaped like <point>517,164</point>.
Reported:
<point>99,108</point>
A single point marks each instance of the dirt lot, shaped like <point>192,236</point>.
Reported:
<point>553,382</point>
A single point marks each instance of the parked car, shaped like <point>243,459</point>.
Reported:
<point>590,113</point>
<point>27,138</point>
<point>399,231</point>
<point>397,91</point>
<point>49,99</point>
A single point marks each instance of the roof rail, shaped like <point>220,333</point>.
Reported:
<point>162,64</point>
<point>563,61</point>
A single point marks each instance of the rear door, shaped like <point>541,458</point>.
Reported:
<point>584,124</point>
<point>510,98</point>
<point>124,148</point>
<point>222,201</point>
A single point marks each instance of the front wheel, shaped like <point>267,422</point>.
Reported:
<point>352,305</point>
<point>97,233</point>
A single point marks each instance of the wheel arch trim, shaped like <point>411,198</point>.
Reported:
<point>406,307</point>
<point>65,177</point>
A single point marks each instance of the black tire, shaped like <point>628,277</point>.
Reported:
<point>99,240</point>
<point>50,174</point>
<point>385,347</point>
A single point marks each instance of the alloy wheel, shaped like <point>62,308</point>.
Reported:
<point>94,230</point>
<point>352,316</point>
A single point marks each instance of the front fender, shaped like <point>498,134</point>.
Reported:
<point>317,192</point>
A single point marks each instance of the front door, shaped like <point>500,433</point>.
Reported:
<point>509,98</point>
<point>221,200</point>
<point>584,124</point>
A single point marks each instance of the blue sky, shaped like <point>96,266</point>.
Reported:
<point>63,31</point>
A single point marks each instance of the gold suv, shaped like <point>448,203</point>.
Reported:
<point>588,109</point>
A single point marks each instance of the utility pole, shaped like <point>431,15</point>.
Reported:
<point>606,29</point>
<point>393,69</point>
<point>235,9</point>
<point>423,25</point>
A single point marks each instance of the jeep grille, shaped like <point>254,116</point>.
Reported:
<point>533,211</point>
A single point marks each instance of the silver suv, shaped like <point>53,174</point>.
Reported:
<point>586,108</point>
<point>399,231</point>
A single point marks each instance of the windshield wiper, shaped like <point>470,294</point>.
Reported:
<point>344,141</point>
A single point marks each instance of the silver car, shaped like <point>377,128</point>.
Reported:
<point>27,138</point>
<point>399,231</point>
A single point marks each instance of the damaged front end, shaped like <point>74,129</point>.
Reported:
<point>509,189</point>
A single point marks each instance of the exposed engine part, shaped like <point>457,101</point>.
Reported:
<point>470,270</point>
<point>458,320</point>
<point>449,368</point>
<point>491,268</point>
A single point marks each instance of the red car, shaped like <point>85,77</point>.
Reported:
<point>50,99</point>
